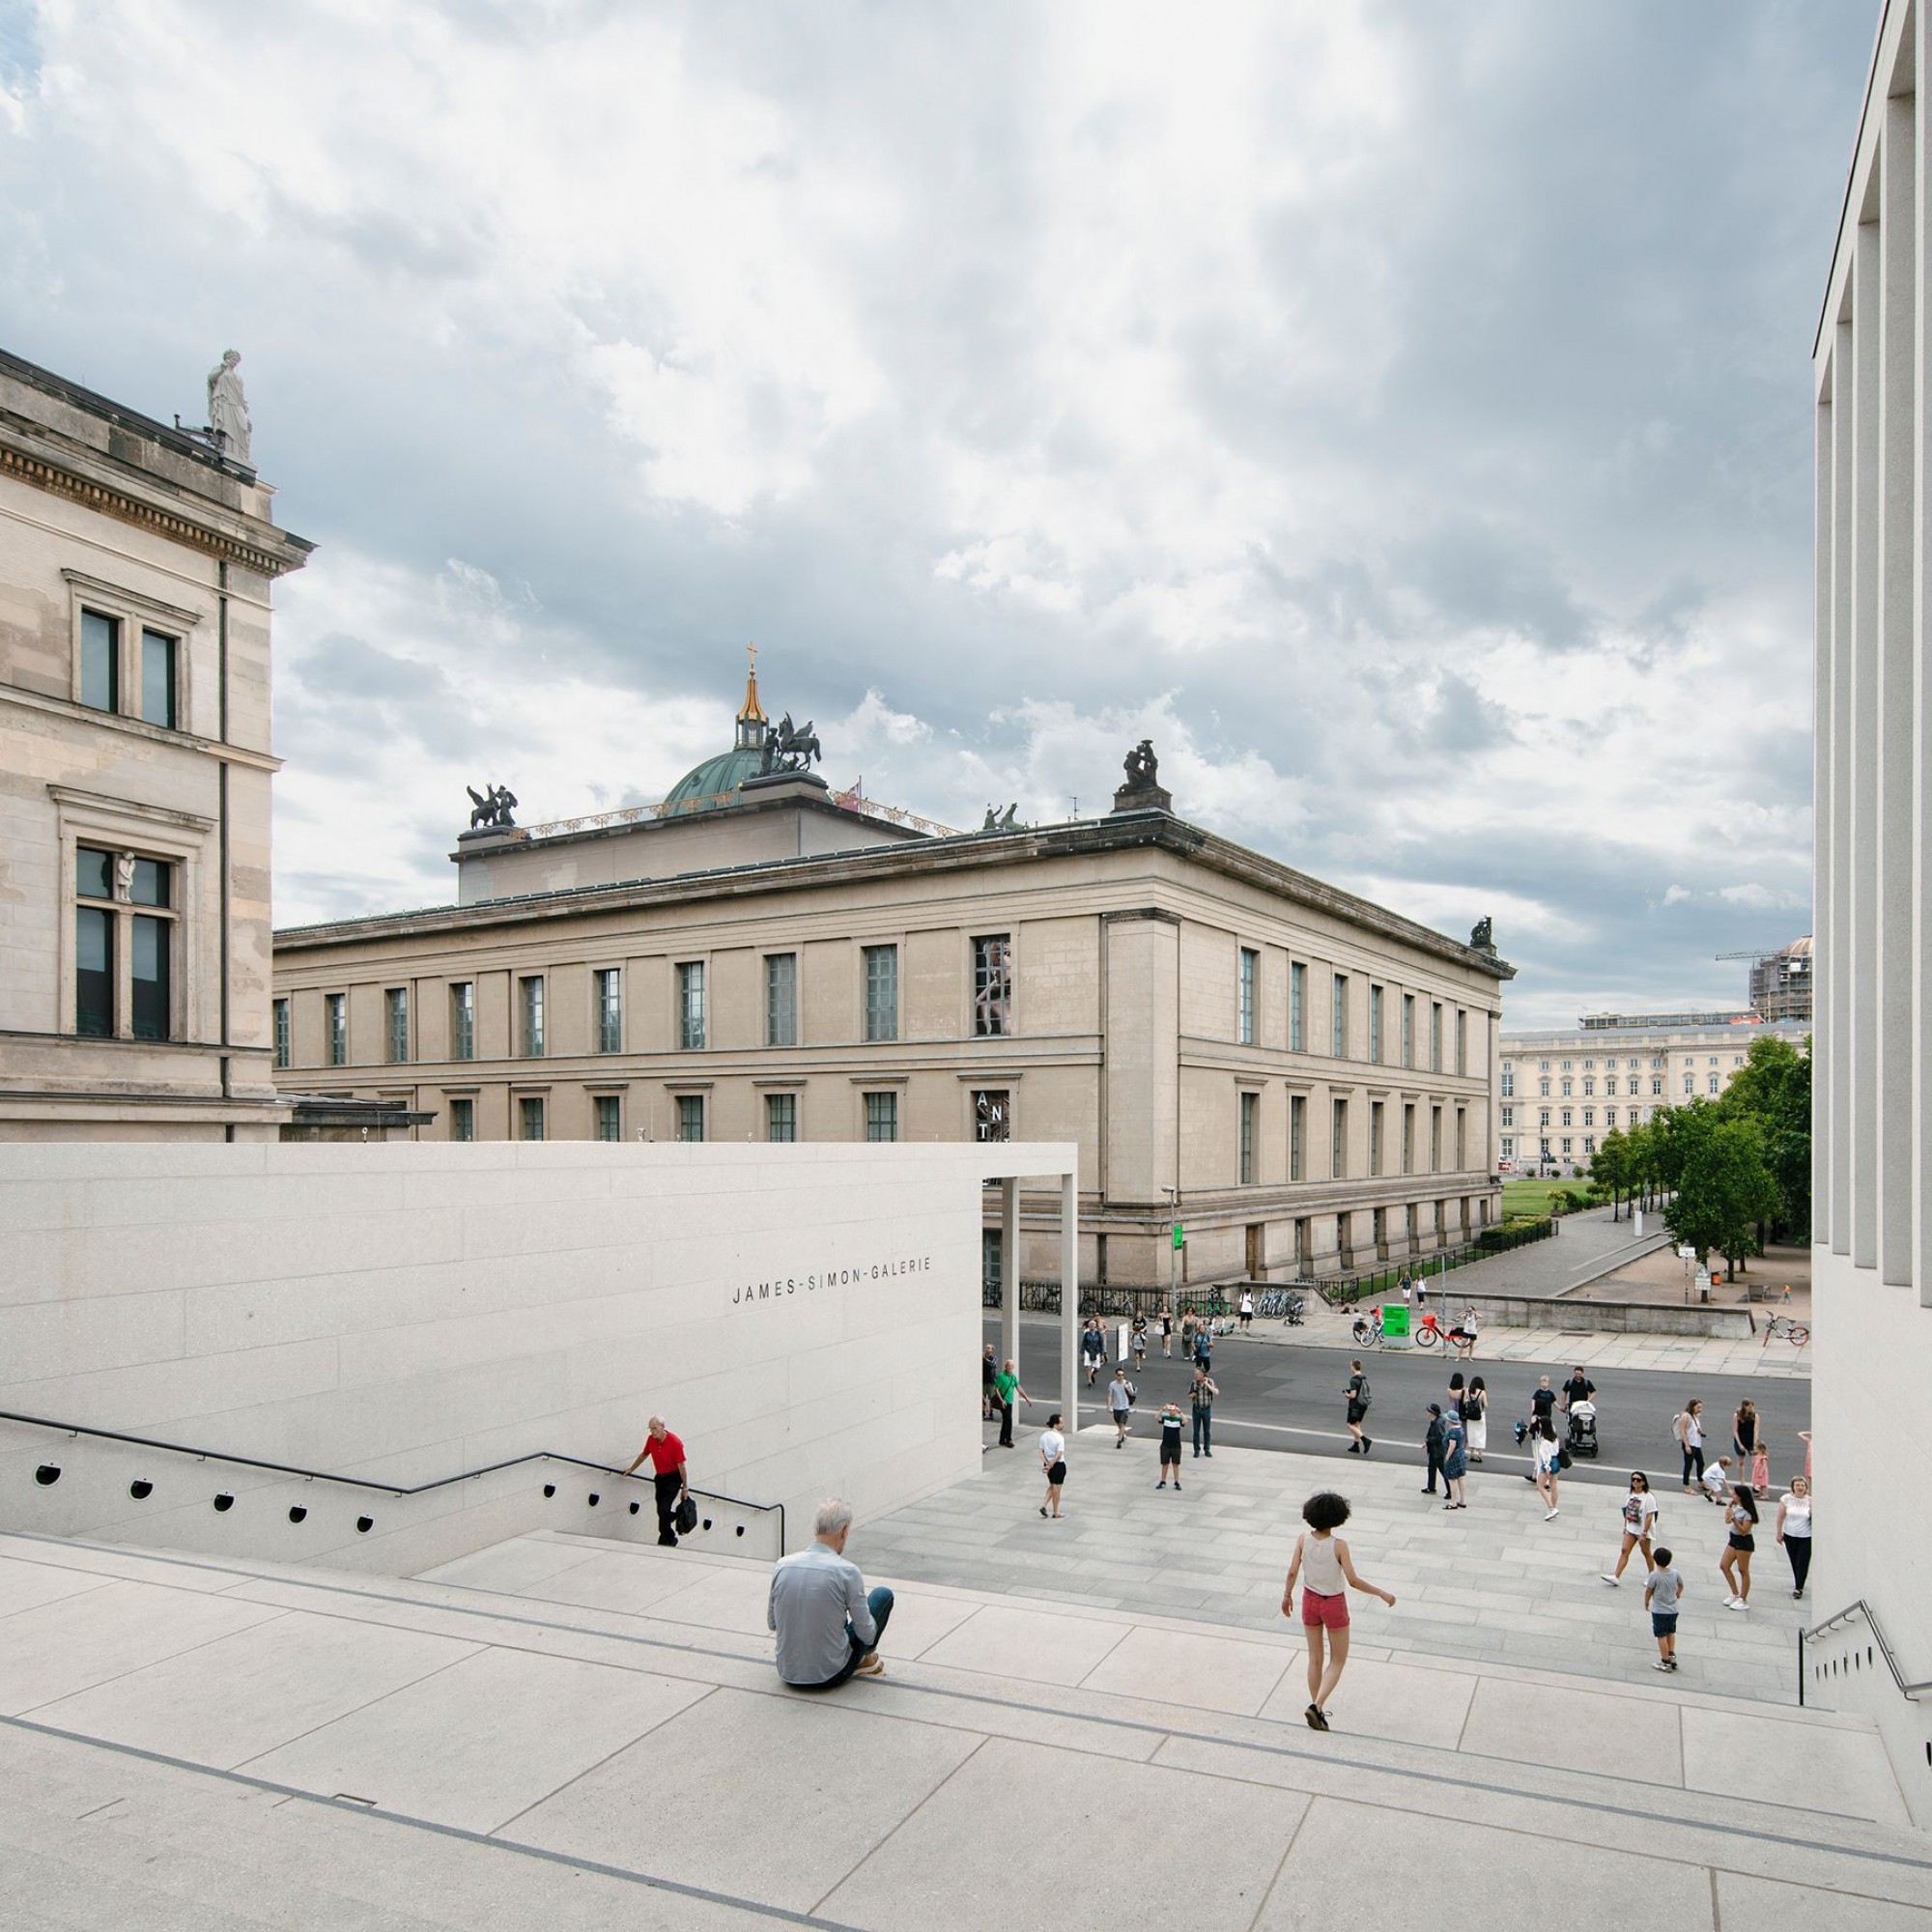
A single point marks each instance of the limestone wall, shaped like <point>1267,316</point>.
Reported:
<point>807,1318</point>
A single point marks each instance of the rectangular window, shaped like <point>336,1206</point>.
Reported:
<point>608,982</point>
<point>882,1117</point>
<point>1713,1083</point>
<point>531,994</point>
<point>1436,1140</point>
<point>1461,1139</point>
<point>1250,971</point>
<point>462,1020</point>
<point>690,1116</point>
<point>1461,1040</point>
<point>992,986</point>
<point>1589,1143</point>
<point>1375,1136</point>
<point>1655,1084</point>
<point>691,1005</point>
<point>993,1114</point>
<point>1250,1104</point>
<point>1509,1083</point>
<point>1566,1116</point>
<point>99,661</point>
<point>1435,1036</point>
<point>1297,1135</point>
<point>530,1116</point>
<point>463,1119</point>
<point>281,1033</point>
<point>1375,1024</point>
<point>1589,1116</point>
<point>157,678</point>
<point>1338,1042</point>
<point>1408,1029</point>
<point>396,1035</point>
<point>1408,1140</point>
<point>1338,1141</point>
<point>610,1112</point>
<point>94,973</point>
<point>335,1022</point>
<point>152,979</point>
<point>1609,1116</point>
<point>882,992</point>
<point>1298,1000</point>
<point>1569,1087</point>
<point>782,999</point>
<point>1565,1147</point>
<point>1509,1117</point>
<point>1690,1083</point>
<point>1543,1117</point>
<point>1509,1148</point>
<point>782,1116</point>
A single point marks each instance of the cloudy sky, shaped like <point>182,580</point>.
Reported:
<point>1400,413</point>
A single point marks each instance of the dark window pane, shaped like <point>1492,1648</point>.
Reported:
<point>100,670</point>
<point>94,873</point>
<point>94,974</point>
<point>151,883</point>
<point>157,678</point>
<point>151,978</point>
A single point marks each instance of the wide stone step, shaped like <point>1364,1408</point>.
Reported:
<point>578,1709</point>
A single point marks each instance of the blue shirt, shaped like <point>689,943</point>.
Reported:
<point>814,1593</point>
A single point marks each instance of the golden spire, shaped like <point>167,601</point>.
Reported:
<point>753,711</point>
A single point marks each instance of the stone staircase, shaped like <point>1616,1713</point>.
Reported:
<point>564,1732</point>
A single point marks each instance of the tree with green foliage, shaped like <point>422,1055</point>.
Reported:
<point>1725,1188</point>
<point>1773,1089</point>
<point>1610,1168</point>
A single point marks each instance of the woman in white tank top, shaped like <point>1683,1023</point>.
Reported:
<point>1322,1566</point>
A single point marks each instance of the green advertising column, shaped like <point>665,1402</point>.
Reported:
<point>1395,1325</point>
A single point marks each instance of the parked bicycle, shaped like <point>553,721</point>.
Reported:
<point>1284,1303</point>
<point>1794,1332</point>
<point>1368,1330</point>
<point>1429,1331</point>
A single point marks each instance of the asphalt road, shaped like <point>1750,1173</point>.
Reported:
<point>1282,1397</point>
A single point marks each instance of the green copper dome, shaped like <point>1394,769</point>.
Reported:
<point>717,776</point>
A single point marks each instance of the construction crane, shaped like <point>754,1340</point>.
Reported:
<point>1754,954</point>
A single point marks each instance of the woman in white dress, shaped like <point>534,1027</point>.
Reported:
<point>1476,1417</point>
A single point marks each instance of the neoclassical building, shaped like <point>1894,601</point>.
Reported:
<point>1559,1092</point>
<point>135,762</point>
<point>1303,1078</point>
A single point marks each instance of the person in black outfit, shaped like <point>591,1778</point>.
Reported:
<point>1578,1388</point>
<point>1434,1440</point>
<point>1170,1426</point>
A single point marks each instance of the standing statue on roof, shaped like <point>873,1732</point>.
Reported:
<point>228,409</point>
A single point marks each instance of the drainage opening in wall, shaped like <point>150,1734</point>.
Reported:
<point>298,1514</point>
<point>593,1499</point>
<point>550,1489</point>
<point>224,1501</point>
<point>364,1524</point>
<point>140,1489</point>
<point>635,1507</point>
<point>47,1475</point>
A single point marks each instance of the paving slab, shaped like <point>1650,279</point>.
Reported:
<point>833,1783</point>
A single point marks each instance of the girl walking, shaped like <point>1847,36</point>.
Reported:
<point>1794,1530</point>
<point>1639,1517</point>
<point>1476,1417</point>
<point>1167,1332</point>
<point>1053,1460</point>
<point>1740,1519</point>
<point>1322,1566</point>
<point>1543,1449</point>
<point>1689,1429</point>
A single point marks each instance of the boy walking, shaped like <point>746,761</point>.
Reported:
<point>1662,1590</point>
<point>1121,1402</point>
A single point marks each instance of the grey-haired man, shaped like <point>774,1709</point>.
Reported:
<point>828,1623</point>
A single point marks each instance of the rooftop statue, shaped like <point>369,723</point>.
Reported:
<point>1003,821</point>
<point>790,748</point>
<point>1483,937</point>
<point>491,806</point>
<point>228,409</point>
<point>1142,767</point>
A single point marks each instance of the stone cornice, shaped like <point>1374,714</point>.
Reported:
<point>256,546</point>
<point>1156,831</point>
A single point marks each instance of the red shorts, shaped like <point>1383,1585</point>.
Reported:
<point>1319,1612</point>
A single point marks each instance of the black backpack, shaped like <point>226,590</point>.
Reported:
<point>1362,1393</point>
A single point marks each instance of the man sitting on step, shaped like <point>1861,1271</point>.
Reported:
<point>827,1624</point>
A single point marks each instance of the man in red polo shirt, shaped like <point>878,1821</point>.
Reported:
<point>667,1454</point>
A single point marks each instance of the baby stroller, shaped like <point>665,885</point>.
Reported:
<point>1582,1437</point>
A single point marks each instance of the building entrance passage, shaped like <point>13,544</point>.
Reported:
<point>1257,1248</point>
<point>1004,1256</point>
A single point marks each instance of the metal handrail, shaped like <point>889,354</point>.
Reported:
<point>1853,1610</point>
<point>370,1482</point>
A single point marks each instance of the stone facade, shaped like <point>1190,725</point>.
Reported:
<point>1871,1256</point>
<point>1558,1094</point>
<point>1160,997</point>
<point>135,762</point>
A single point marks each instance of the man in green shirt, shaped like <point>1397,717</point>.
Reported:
<point>1005,1386</point>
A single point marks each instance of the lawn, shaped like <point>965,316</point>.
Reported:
<point>1533,1197</point>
